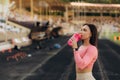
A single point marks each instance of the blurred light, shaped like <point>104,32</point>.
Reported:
<point>12,4</point>
<point>17,41</point>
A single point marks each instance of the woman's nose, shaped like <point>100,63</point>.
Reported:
<point>81,32</point>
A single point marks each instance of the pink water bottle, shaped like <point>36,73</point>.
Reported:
<point>75,36</point>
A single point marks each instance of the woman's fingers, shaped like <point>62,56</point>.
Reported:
<point>73,40</point>
<point>74,43</point>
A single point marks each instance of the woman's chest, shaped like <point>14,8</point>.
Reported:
<point>82,51</point>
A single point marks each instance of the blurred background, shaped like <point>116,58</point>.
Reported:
<point>34,34</point>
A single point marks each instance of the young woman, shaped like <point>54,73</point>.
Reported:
<point>85,55</point>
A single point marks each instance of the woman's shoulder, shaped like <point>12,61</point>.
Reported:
<point>92,48</point>
<point>88,47</point>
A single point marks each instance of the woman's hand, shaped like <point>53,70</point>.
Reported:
<point>74,44</point>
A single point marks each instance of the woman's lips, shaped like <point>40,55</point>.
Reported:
<point>81,35</point>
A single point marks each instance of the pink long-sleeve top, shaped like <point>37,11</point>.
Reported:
<point>85,57</point>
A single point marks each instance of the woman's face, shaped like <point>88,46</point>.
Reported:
<point>85,32</point>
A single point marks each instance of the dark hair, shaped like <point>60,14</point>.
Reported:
<point>94,37</point>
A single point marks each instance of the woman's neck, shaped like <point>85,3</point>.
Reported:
<point>86,42</point>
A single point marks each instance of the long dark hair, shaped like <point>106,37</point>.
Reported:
<point>94,37</point>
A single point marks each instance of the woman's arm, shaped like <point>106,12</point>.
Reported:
<point>89,55</point>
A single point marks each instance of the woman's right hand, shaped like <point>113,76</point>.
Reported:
<point>74,43</point>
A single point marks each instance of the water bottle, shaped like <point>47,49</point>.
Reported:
<point>75,36</point>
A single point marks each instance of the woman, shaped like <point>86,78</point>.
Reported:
<point>86,55</point>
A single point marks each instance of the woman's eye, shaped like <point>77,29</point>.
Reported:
<point>84,30</point>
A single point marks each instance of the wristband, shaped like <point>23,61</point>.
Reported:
<point>75,49</point>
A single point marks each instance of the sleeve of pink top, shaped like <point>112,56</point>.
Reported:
<point>85,61</point>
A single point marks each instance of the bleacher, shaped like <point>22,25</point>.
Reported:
<point>5,46</point>
<point>9,32</point>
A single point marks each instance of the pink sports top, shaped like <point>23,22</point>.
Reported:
<point>85,57</point>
